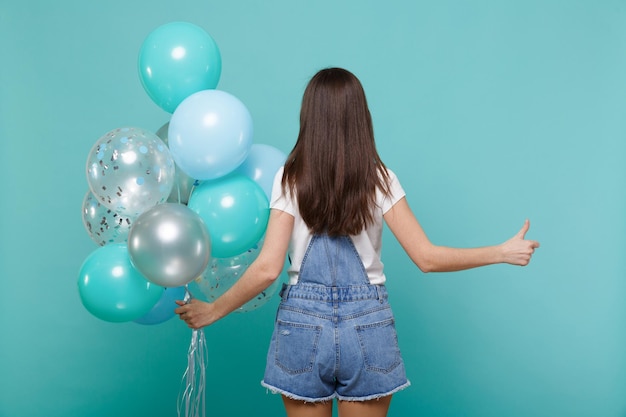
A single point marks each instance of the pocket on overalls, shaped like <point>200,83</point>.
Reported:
<point>379,345</point>
<point>296,346</point>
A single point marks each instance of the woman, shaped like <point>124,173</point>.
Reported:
<point>334,335</point>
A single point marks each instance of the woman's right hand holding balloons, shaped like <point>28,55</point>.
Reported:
<point>518,250</point>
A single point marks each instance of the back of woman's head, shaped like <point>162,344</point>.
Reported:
<point>334,168</point>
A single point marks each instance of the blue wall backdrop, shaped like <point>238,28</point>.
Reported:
<point>489,112</point>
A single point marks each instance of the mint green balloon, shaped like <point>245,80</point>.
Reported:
<point>176,60</point>
<point>235,210</point>
<point>112,289</point>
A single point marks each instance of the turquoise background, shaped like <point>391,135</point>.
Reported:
<point>488,111</point>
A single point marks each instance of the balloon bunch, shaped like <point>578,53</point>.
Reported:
<point>189,203</point>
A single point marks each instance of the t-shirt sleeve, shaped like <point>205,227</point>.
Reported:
<point>396,192</point>
<point>279,200</point>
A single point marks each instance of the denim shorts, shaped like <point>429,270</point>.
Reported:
<point>334,342</point>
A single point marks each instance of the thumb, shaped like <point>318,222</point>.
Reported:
<point>522,233</point>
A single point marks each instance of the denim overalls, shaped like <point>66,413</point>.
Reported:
<point>334,335</point>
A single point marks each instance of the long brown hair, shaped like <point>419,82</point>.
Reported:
<point>334,168</point>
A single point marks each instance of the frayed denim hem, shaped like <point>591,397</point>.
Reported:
<point>293,396</point>
<point>374,396</point>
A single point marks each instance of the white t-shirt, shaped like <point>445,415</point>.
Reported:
<point>368,243</point>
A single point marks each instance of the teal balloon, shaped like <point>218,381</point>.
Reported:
<point>210,134</point>
<point>112,289</point>
<point>261,165</point>
<point>235,210</point>
<point>176,60</point>
<point>163,310</point>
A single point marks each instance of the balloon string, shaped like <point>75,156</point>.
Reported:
<point>178,192</point>
<point>188,295</point>
<point>192,398</point>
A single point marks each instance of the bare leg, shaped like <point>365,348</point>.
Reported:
<point>297,408</point>
<point>370,408</point>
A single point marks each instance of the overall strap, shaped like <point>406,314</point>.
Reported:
<point>333,262</point>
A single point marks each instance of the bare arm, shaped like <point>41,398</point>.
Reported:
<point>259,275</point>
<point>433,258</point>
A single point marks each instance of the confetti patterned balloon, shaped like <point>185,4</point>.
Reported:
<point>222,273</point>
<point>129,170</point>
<point>104,225</point>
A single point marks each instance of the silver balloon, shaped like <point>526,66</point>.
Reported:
<point>222,273</point>
<point>130,169</point>
<point>104,225</point>
<point>169,244</point>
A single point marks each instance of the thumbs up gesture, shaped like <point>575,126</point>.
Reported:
<point>518,250</point>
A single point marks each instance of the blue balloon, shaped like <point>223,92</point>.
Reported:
<point>177,60</point>
<point>235,211</point>
<point>112,289</point>
<point>163,310</point>
<point>210,134</point>
<point>261,165</point>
